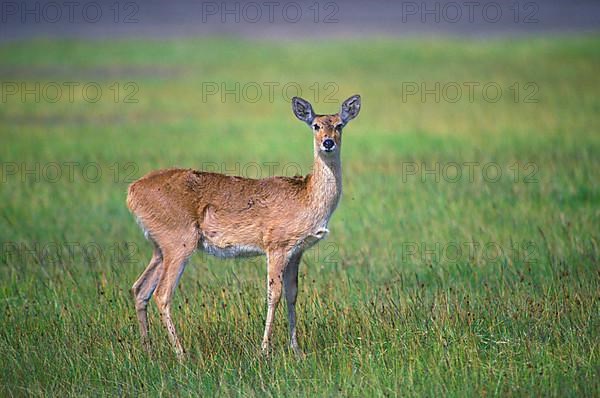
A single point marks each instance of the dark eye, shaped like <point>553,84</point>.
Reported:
<point>338,128</point>
<point>315,126</point>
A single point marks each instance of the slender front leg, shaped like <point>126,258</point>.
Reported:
<point>290,284</point>
<point>275,266</point>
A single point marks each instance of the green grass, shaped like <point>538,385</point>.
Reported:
<point>387,306</point>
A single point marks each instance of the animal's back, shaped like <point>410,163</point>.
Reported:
<point>226,211</point>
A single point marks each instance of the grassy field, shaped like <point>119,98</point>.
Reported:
<point>430,283</point>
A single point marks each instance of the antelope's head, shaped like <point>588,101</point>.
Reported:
<point>327,129</point>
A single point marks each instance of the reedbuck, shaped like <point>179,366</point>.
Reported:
<point>182,210</point>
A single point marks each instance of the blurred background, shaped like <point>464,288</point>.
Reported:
<point>462,260</point>
<point>286,20</point>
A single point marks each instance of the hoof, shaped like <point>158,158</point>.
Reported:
<point>298,353</point>
<point>265,350</point>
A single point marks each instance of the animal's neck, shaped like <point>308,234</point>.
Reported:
<point>325,186</point>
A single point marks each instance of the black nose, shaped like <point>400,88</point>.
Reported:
<point>328,143</point>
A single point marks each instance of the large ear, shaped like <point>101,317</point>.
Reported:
<point>350,108</point>
<point>303,110</point>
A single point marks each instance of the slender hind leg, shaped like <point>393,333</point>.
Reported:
<point>174,261</point>
<point>142,290</point>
